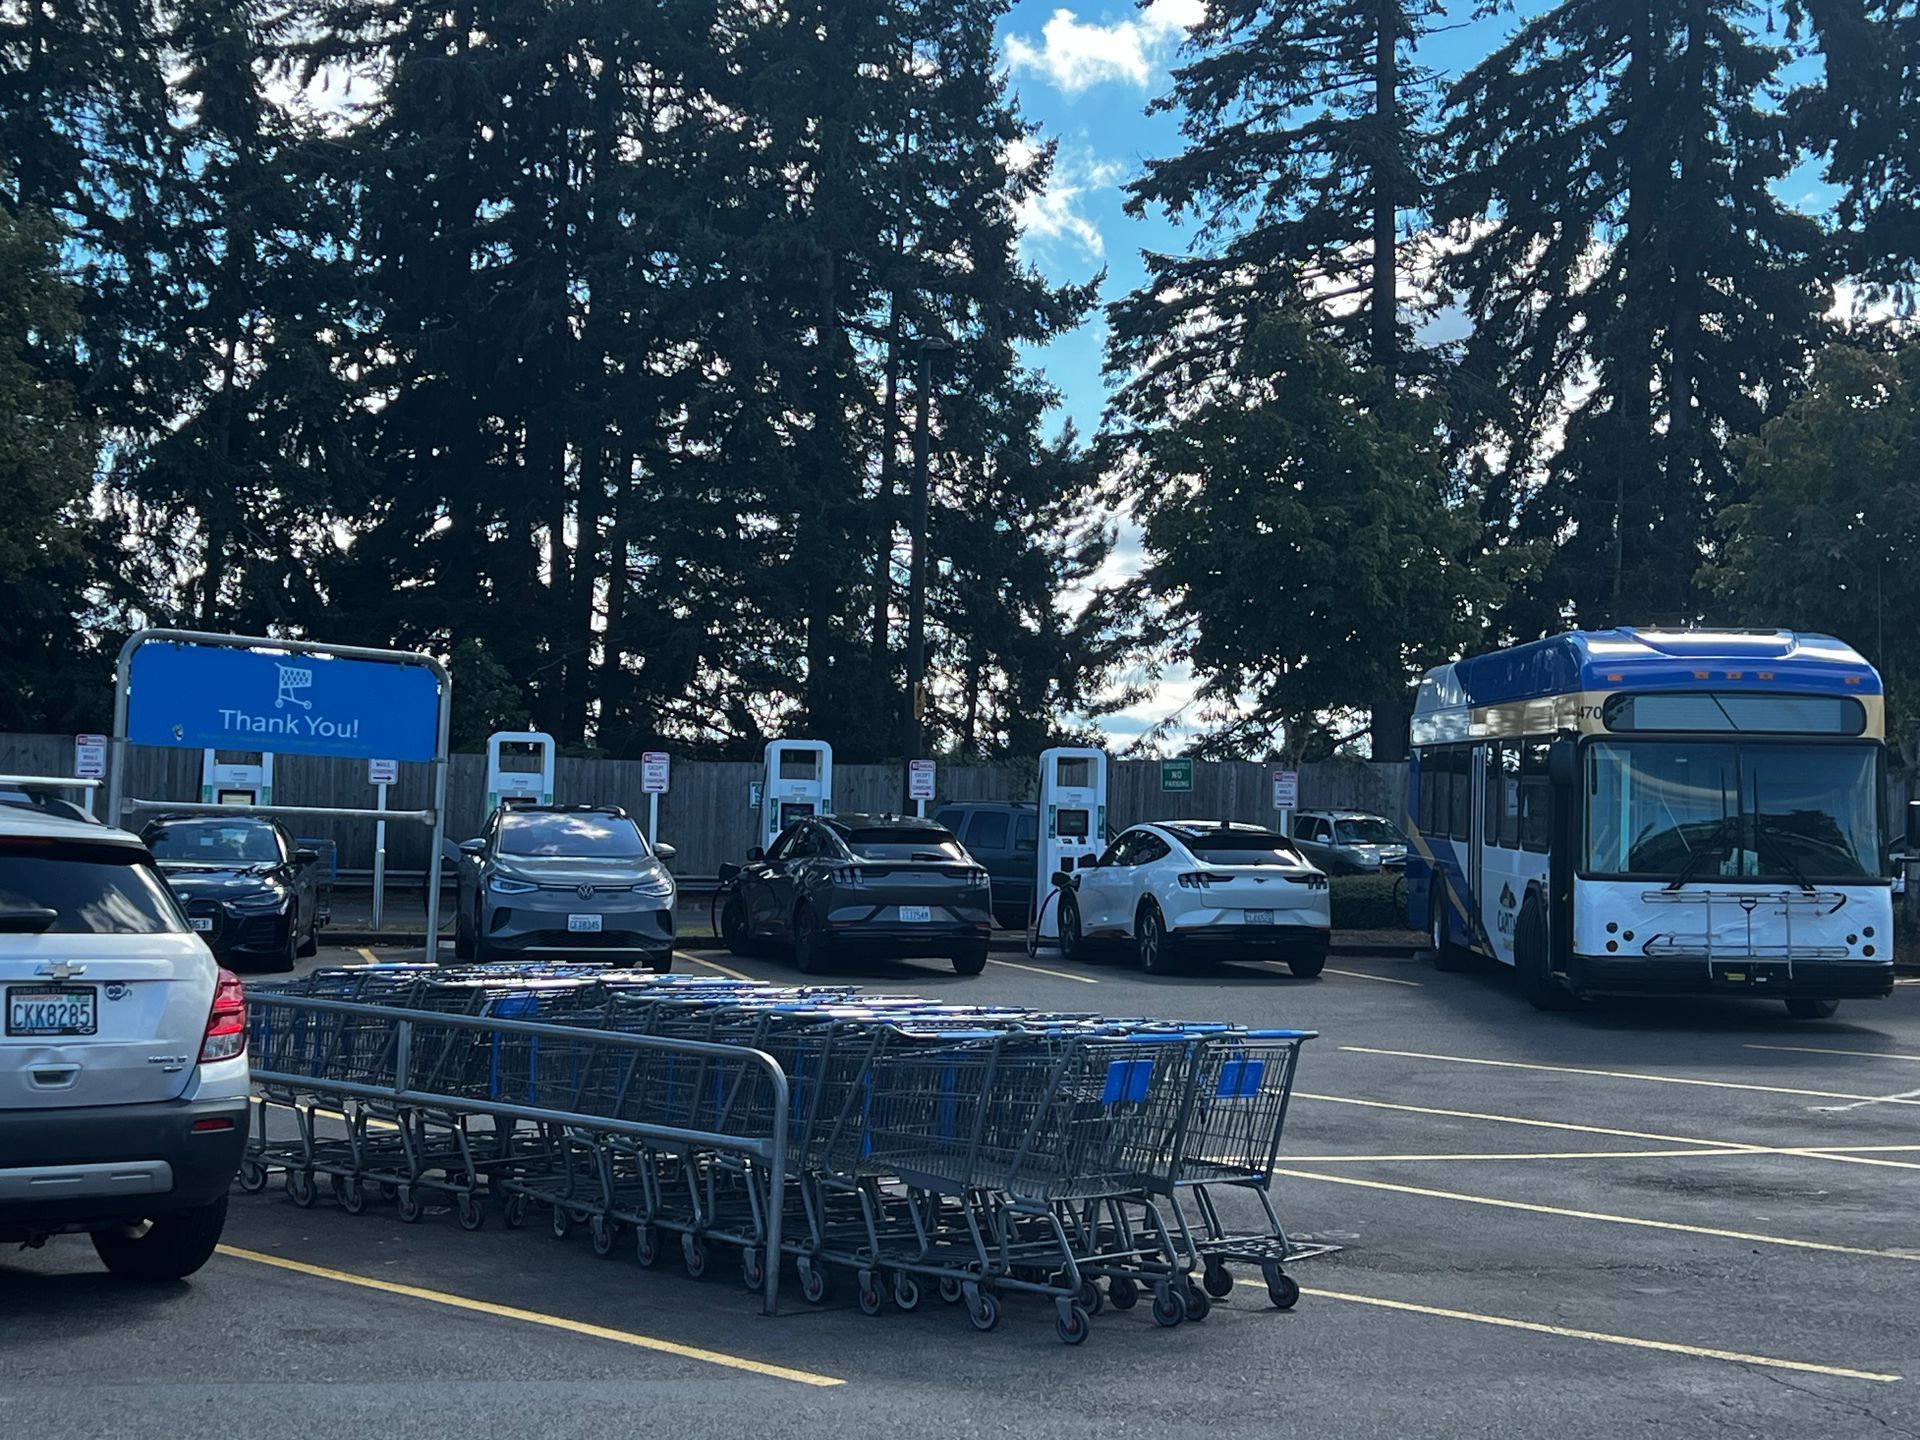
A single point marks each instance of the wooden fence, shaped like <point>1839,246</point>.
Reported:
<point>706,815</point>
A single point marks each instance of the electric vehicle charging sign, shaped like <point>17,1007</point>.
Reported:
<point>920,778</point>
<point>208,696</point>
<point>656,772</point>
<point>383,772</point>
<point>1286,789</point>
<point>89,757</point>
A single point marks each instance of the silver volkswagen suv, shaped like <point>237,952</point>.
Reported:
<point>123,1053</point>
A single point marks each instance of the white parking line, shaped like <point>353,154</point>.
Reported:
<point>1383,979</point>
<point>1905,1097</point>
<point>1823,1050</point>
<point>1038,970</point>
<point>714,965</point>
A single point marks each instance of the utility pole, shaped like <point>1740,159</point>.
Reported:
<point>915,699</point>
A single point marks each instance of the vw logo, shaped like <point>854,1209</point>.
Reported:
<point>586,891</point>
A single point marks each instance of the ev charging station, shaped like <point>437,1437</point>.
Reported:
<point>798,782</point>
<point>1073,825</point>
<point>235,782</point>
<point>519,767</point>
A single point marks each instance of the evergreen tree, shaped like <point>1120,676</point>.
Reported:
<point>1641,295</point>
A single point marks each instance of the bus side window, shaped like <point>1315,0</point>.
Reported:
<point>1423,791</point>
<point>1506,782</point>
<point>1462,791</point>
<point>1490,809</point>
<point>1535,795</point>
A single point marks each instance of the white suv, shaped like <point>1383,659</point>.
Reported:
<point>1183,887</point>
<point>123,1053</point>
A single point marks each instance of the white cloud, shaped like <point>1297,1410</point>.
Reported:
<point>1057,212</point>
<point>1076,55</point>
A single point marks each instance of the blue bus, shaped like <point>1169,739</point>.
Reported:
<point>1640,811</point>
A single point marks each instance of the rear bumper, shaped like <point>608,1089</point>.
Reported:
<point>87,1167</point>
<point>893,937</point>
<point>1287,940</point>
<point>1689,975</point>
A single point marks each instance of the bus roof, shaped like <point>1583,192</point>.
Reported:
<point>1637,658</point>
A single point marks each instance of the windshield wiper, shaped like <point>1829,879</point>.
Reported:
<point>1700,857</point>
<point>1763,837</point>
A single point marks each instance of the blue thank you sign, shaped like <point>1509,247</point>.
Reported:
<point>195,696</point>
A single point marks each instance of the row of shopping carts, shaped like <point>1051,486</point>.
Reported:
<point>977,1152</point>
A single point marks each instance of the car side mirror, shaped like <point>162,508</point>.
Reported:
<point>665,851</point>
<point>1560,764</point>
<point>1086,862</point>
<point>306,857</point>
<point>728,873</point>
<point>475,848</point>
<point>756,855</point>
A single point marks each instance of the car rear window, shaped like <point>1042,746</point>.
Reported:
<point>1241,847</point>
<point>989,831</point>
<point>612,836</point>
<point>900,843</point>
<point>103,890</point>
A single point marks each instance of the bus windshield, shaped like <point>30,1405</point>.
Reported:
<point>1792,812</point>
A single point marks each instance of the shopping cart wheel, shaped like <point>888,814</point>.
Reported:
<point>601,1232</point>
<point>1282,1289</point>
<point>389,1191</point>
<point>813,1280</point>
<point>1124,1291</point>
<point>985,1311</point>
<point>409,1207</point>
<point>472,1212</point>
<point>693,1251</point>
<point>1089,1298</point>
<point>1198,1305</point>
<point>562,1222</point>
<point>351,1193</point>
<point>253,1177</point>
<point>1218,1280</point>
<point>906,1291</point>
<point>646,1247</point>
<point>1073,1324</point>
<point>1169,1306</point>
<point>869,1294</point>
<point>753,1270</point>
<point>950,1290</point>
<point>300,1187</point>
<point>515,1213</point>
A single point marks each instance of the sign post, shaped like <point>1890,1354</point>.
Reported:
<point>1286,796</point>
<point>1176,775</point>
<point>89,762</point>
<point>380,774</point>
<point>656,777</point>
<point>920,785</point>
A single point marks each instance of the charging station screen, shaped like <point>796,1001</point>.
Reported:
<point>1073,772</point>
<point>1072,824</point>
<point>800,765</point>
<point>794,810</point>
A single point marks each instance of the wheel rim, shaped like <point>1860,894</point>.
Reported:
<point>1069,928</point>
<point>1149,941</point>
<point>1437,926</point>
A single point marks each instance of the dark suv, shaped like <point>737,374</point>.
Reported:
<point>1005,838</point>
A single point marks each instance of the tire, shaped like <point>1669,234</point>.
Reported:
<point>1152,946</point>
<point>1805,1008</point>
<point>1532,961</point>
<point>1073,945</point>
<point>482,951</point>
<point>733,926</point>
<point>811,952</point>
<point>170,1248</point>
<point>462,934</point>
<point>289,955</point>
<point>972,960</point>
<point>1448,958</point>
<point>311,945</point>
<point>1309,966</point>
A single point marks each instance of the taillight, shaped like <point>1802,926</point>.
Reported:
<point>227,1023</point>
<point>1201,880</point>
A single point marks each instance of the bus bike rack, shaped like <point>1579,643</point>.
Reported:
<point>1749,901</point>
<point>434,818</point>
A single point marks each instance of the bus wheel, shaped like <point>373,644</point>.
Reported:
<point>1802,1008</point>
<point>1447,956</point>
<point>1532,963</point>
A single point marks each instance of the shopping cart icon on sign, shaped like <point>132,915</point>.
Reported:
<point>292,678</point>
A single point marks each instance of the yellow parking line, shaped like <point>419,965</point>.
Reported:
<point>715,965</point>
<point>372,959</point>
<point>1822,1050</point>
<point>1630,1075</point>
<point>535,1317</point>
<point>1637,1221</point>
<point>1039,970</point>
<point>1383,979</point>
<point>1602,1337</point>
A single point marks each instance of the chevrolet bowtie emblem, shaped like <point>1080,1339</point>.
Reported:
<point>60,970</point>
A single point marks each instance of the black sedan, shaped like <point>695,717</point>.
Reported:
<point>251,895</point>
<point>876,884</point>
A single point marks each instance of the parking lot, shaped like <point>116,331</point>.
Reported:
<point>1694,1217</point>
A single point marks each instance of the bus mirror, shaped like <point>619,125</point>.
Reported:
<point>1560,767</point>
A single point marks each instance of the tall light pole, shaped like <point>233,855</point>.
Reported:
<point>917,576</point>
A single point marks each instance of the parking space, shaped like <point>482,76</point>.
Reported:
<point>1685,1217</point>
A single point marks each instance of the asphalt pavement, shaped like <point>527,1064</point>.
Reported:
<point>1652,1217</point>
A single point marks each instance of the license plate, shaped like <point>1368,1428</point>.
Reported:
<point>584,924</point>
<point>1259,917</point>
<point>916,914</point>
<point>51,1010</point>
<point>202,923</point>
